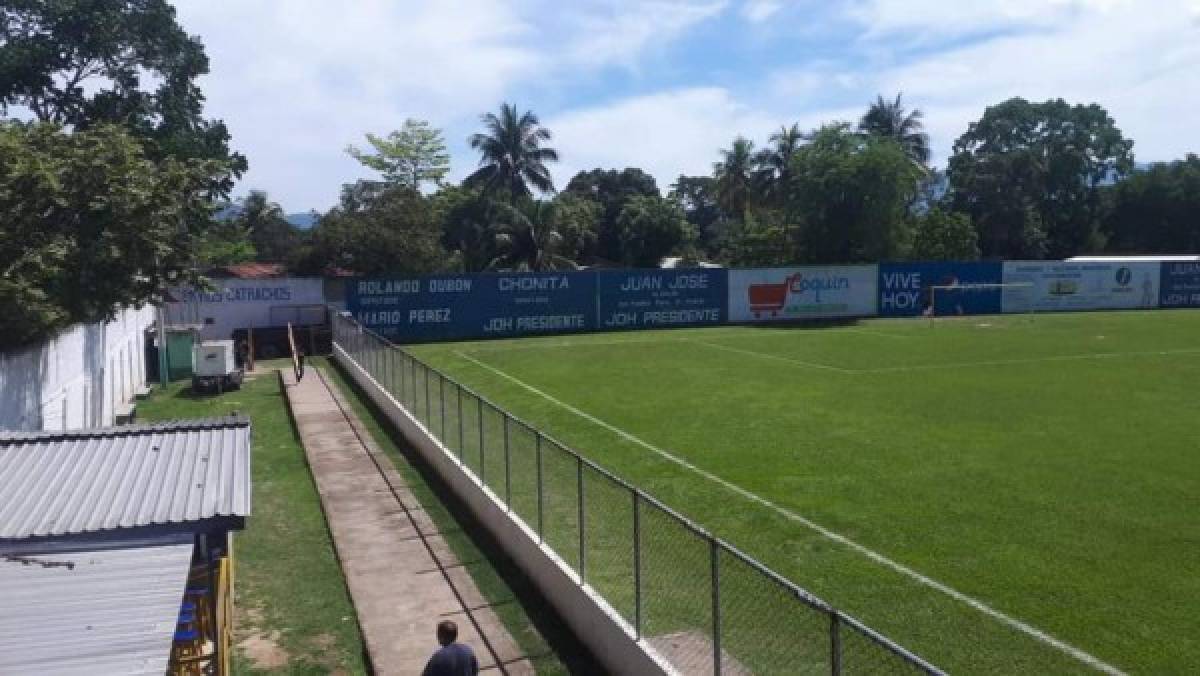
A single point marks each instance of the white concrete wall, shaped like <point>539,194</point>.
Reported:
<point>77,379</point>
<point>248,303</point>
<point>607,635</point>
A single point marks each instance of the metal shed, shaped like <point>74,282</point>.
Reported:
<point>98,606</point>
<point>134,476</point>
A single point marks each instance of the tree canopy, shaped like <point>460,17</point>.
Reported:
<point>1030,176</point>
<point>511,155</point>
<point>412,156</point>
<point>93,223</point>
<point>127,62</point>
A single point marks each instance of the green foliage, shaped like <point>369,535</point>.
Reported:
<point>773,164</point>
<point>466,216</point>
<point>652,227</point>
<point>275,239</point>
<point>1030,176</point>
<point>225,243</point>
<point>412,156</point>
<point>377,230</point>
<point>512,157</point>
<point>890,119</point>
<point>611,189</point>
<point>92,224</point>
<point>763,239</point>
<point>577,221</point>
<point>734,176</point>
<point>1156,210</point>
<point>81,64</point>
<point>697,196</point>
<point>849,197</point>
<point>940,235</point>
<point>528,238</point>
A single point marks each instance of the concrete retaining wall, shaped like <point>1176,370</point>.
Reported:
<point>606,634</point>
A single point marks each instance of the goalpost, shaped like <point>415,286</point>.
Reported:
<point>968,288</point>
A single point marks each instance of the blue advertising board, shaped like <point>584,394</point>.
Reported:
<point>645,299</point>
<point>1179,285</point>
<point>483,305</point>
<point>904,288</point>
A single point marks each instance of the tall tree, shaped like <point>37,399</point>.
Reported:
<point>512,157</point>
<point>273,237</point>
<point>890,119</point>
<point>734,176</point>
<point>612,190</point>
<point>412,156</point>
<point>125,62</point>
<point>849,197</point>
<point>652,227</point>
<point>697,196</point>
<point>940,235</point>
<point>1030,176</point>
<point>773,163</point>
<point>528,239</point>
<point>376,232</point>
<point>1156,210</point>
<point>92,224</point>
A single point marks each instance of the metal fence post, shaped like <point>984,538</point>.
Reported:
<point>538,450</point>
<point>835,644</point>
<point>507,468</point>
<point>442,403</point>
<point>582,535</point>
<point>458,388</point>
<point>413,378</point>
<point>428,411</point>
<point>637,564</point>
<point>482,464</point>
<point>715,552</point>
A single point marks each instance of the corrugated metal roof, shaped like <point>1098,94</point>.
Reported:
<point>112,611</point>
<point>80,481</point>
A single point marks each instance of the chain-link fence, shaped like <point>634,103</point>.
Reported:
<point>702,604</point>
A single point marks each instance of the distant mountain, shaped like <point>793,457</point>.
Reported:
<point>304,221</point>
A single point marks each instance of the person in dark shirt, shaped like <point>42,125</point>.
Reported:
<point>452,659</point>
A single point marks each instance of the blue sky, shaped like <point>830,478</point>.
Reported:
<point>663,84</point>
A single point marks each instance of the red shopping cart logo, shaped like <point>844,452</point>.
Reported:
<point>769,298</point>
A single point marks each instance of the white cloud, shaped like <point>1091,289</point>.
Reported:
<point>297,81</point>
<point>757,11</point>
<point>619,32</point>
<point>1139,65</point>
<point>665,134</point>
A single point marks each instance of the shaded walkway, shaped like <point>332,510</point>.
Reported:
<point>402,576</point>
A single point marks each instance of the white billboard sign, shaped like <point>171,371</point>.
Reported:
<point>781,294</point>
<point>245,303</point>
<point>1050,286</point>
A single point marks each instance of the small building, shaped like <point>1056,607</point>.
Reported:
<point>116,547</point>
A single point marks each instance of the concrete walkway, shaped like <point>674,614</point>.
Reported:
<point>403,577</point>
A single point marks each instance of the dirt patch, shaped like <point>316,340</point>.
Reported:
<point>264,651</point>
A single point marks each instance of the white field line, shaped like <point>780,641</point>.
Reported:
<point>766,355</point>
<point>954,365</point>
<point>1023,627</point>
<point>1029,360</point>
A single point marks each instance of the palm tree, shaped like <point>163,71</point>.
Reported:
<point>528,239</point>
<point>891,120</point>
<point>734,177</point>
<point>511,154</point>
<point>774,162</point>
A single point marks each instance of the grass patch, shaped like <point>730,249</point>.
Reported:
<point>1044,465</point>
<point>514,598</point>
<point>291,600</point>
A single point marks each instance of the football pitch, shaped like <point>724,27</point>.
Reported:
<point>999,494</point>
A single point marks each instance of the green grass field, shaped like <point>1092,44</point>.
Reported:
<point>1044,466</point>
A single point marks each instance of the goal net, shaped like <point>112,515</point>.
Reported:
<point>954,299</point>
